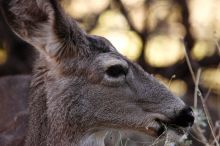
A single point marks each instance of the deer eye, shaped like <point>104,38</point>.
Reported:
<point>117,71</point>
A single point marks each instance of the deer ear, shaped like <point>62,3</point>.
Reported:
<point>43,24</point>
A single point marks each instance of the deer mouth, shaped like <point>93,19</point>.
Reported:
<point>161,124</point>
<point>157,126</point>
<point>156,129</point>
<point>160,129</point>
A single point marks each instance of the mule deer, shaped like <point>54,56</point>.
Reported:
<point>81,84</point>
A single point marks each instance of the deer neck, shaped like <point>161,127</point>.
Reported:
<point>43,129</point>
<point>37,126</point>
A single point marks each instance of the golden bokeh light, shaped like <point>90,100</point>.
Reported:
<point>162,51</point>
<point>138,17</point>
<point>117,32</point>
<point>137,12</point>
<point>126,42</point>
<point>133,3</point>
<point>113,19</point>
<point>81,8</point>
<point>178,87</point>
<point>202,21</point>
<point>211,79</point>
<point>3,56</point>
<point>158,11</point>
<point>217,19</point>
<point>203,49</point>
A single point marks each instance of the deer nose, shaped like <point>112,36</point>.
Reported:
<point>185,118</point>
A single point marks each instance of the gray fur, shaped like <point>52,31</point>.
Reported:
<point>71,95</point>
<point>13,109</point>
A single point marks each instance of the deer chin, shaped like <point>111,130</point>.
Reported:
<point>113,136</point>
<point>155,129</point>
<point>161,128</point>
<point>158,127</point>
<point>161,125</point>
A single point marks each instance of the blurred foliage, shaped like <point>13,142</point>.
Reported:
<point>155,52</point>
<point>210,79</point>
<point>203,49</point>
<point>117,31</point>
<point>3,56</point>
<point>177,86</point>
<point>158,34</point>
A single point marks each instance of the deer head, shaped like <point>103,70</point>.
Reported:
<point>81,84</point>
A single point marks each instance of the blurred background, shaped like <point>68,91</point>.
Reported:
<point>178,41</point>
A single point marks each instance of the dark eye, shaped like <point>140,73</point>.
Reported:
<point>116,71</point>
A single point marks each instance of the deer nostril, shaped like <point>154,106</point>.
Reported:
<point>185,118</point>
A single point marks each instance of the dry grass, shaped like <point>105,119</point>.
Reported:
<point>199,132</point>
